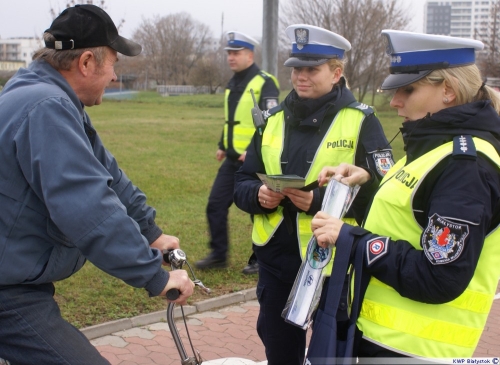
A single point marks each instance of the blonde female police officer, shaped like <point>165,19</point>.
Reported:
<point>318,123</point>
<point>431,236</point>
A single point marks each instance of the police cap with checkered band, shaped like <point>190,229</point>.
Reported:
<point>415,55</point>
<point>313,46</point>
<point>236,41</point>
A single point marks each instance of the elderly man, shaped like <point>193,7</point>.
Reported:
<point>64,198</point>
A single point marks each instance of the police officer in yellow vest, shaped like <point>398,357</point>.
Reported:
<point>236,135</point>
<point>319,123</point>
<point>431,234</point>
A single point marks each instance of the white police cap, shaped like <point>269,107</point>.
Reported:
<point>236,41</point>
<point>415,55</point>
<point>312,46</point>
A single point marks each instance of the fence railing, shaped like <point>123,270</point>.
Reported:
<point>166,90</point>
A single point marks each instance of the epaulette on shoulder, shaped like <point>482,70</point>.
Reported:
<point>270,112</point>
<point>264,75</point>
<point>464,147</point>
<point>366,109</point>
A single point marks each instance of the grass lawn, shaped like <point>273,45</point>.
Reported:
<point>167,147</point>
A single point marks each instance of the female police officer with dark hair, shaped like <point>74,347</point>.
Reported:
<point>431,239</point>
<point>319,123</point>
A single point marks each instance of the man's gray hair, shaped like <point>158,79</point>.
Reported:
<point>62,59</point>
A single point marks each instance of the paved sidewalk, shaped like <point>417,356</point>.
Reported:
<point>222,330</point>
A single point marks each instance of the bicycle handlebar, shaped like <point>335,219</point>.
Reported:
<point>176,258</point>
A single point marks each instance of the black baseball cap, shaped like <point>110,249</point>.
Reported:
<point>86,26</point>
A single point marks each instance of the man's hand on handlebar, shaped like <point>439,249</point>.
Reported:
<point>179,280</point>
<point>165,242</point>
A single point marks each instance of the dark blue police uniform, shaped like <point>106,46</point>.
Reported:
<point>279,260</point>
<point>221,195</point>
<point>307,119</point>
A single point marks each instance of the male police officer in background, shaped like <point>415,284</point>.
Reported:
<point>63,197</point>
<point>236,136</point>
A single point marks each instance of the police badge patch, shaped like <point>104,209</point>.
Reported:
<point>271,103</point>
<point>383,161</point>
<point>301,37</point>
<point>443,240</point>
<point>376,248</point>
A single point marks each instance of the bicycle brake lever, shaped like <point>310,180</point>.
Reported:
<point>198,282</point>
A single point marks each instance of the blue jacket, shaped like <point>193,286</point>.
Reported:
<point>63,197</point>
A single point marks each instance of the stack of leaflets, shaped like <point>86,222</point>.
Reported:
<point>279,182</point>
<point>308,285</point>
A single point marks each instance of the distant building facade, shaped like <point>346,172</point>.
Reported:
<point>459,18</point>
<point>17,52</point>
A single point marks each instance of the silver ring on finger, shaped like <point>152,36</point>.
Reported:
<point>265,201</point>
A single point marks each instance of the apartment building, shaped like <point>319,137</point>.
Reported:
<point>17,52</point>
<point>459,18</point>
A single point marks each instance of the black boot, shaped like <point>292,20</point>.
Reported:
<point>211,262</point>
<point>252,267</point>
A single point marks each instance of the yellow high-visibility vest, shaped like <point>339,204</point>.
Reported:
<point>449,330</point>
<point>243,131</point>
<point>339,145</point>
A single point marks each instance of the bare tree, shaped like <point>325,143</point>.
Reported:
<point>489,34</point>
<point>360,22</point>
<point>131,72</point>
<point>172,45</point>
<point>70,3</point>
<point>211,70</point>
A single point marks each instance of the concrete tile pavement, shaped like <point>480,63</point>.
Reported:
<point>222,330</point>
<point>226,336</point>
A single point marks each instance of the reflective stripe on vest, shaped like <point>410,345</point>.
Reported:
<point>338,145</point>
<point>244,130</point>
<point>450,330</point>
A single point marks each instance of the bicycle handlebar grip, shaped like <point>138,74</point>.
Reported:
<point>166,256</point>
<point>173,294</point>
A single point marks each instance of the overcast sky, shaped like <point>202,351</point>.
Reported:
<point>29,18</point>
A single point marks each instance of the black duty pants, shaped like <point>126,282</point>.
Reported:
<point>219,202</point>
<point>285,343</point>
